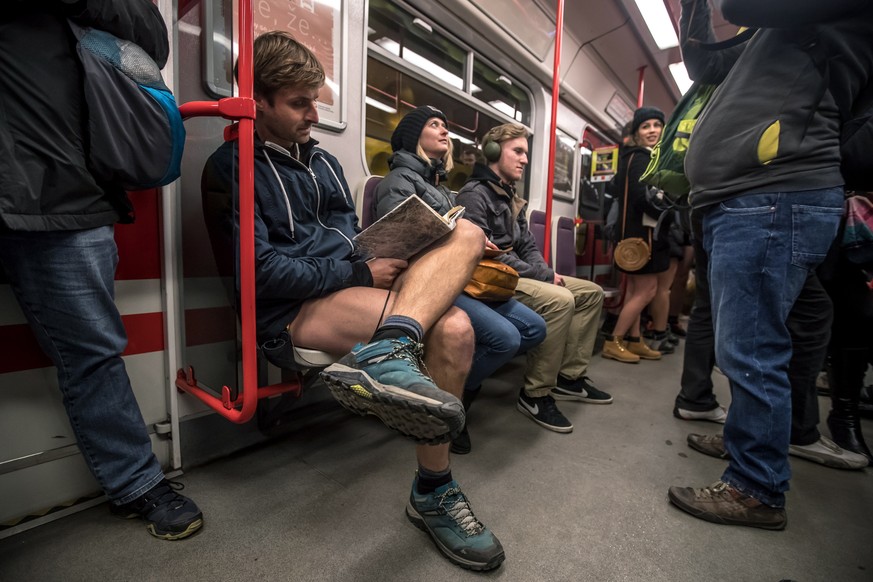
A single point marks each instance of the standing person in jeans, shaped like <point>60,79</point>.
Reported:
<point>504,329</point>
<point>408,350</point>
<point>809,323</point>
<point>57,247</point>
<point>764,168</point>
<point>571,307</point>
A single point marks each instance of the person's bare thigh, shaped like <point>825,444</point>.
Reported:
<point>336,322</point>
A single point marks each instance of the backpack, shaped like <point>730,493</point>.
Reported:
<point>666,170</point>
<point>135,134</point>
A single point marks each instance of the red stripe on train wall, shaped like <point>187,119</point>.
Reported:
<point>21,351</point>
<point>139,244</point>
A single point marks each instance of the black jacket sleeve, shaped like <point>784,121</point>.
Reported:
<point>786,13</point>
<point>695,28</point>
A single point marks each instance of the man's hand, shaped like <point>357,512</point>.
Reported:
<point>491,246</point>
<point>559,280</point>
<point>384,271</point>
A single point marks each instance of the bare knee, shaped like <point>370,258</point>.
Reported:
<point>468,235</point>
<point>452,337</point>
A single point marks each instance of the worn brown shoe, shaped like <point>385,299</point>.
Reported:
<point>721,503</point>
<point>709,444</point>
<point>616,349</point>
<point>642,349</point>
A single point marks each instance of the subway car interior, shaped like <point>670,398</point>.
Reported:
<point>294,487</point>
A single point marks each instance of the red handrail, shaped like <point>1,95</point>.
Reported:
<point>556,94</point>
<point>241,108</point>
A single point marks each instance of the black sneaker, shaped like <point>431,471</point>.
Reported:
<point>168,515</point>
<point>660,342</point>
<point>582,390</point>
<point>543,411</point>
<point>461,444</point>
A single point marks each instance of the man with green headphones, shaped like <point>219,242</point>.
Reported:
<point>556,370</point>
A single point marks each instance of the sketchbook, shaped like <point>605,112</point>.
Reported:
<point>410,227</point>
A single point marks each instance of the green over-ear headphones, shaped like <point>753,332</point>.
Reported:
<point>491,151</point>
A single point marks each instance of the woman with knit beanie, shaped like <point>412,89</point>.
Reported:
<point>422,157</point>
<point>651,283</point>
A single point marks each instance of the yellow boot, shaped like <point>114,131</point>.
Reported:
<point>616,349</point>
<point>639,347</point>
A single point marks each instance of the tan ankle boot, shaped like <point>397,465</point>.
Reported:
<point>642,349</point>
<point>616,349</point>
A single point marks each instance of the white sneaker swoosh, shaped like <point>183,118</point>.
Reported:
<point>535,409</point>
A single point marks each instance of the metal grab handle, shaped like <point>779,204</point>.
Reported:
<point>240,108</point>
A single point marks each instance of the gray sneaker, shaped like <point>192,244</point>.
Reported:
<point>828,453</point>
<point>721,503</point>
<point>709,444</point>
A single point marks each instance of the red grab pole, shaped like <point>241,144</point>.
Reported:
<point>556,94</point>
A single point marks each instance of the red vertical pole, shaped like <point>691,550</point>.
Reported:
<point>247,216</point>
<point>556,95</point>
<point>641,86</point>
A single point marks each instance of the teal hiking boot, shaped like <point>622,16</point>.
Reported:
<point>448,519</point>
<point>384,378</point>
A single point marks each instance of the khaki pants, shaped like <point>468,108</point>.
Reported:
<point>572,315</point>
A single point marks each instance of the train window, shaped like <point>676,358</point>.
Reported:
<point>415,41</point>
<point>317,25</point>
<point>566,163</point>
<point>392,93</point>
<point>500,92</point>
<point>411,64</point>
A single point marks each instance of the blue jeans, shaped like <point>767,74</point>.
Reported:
<point>761,249</point>
<point>64,284</point>
<point>503,331</point>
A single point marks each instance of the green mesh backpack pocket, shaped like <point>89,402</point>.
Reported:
<point>666,170</point>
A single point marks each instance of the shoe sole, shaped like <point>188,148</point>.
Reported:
<point>424,420</point>
<point>191,529</point>
<point>561,396</point>
<point>680,417</point>
<point>715,518</point>
<point>418,521</point>
<point>827,461</point>
<point>560,429</point>
<point>642,357</point>
<point>617,359</point>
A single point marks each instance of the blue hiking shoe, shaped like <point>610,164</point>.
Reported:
<point>168,515</point>
<point>384,378</point>
<point>447,517</point>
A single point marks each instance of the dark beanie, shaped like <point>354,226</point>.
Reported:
<point>405,137</point>
<point>644,114</point>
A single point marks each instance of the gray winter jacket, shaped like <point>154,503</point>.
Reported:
<point>411,175</point>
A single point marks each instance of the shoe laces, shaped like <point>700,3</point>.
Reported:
<point>458,508</point>
<point>409,351</point>
<point>164,494</point>
<point>717,489</point>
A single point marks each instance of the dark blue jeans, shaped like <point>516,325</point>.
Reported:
<point>809,323</point>
<point>761,248</point>
<point>503,331</point>
<point>64,284</point>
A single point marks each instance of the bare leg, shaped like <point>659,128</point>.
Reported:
<point>660,306</point>
<point>449,342</point>
<point>680,282</point>
<point>429,286</point>
<point>641,289</point>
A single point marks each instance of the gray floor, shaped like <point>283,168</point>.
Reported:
<point>325,502</point>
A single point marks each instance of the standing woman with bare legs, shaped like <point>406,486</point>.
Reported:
<point>638,219</point>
